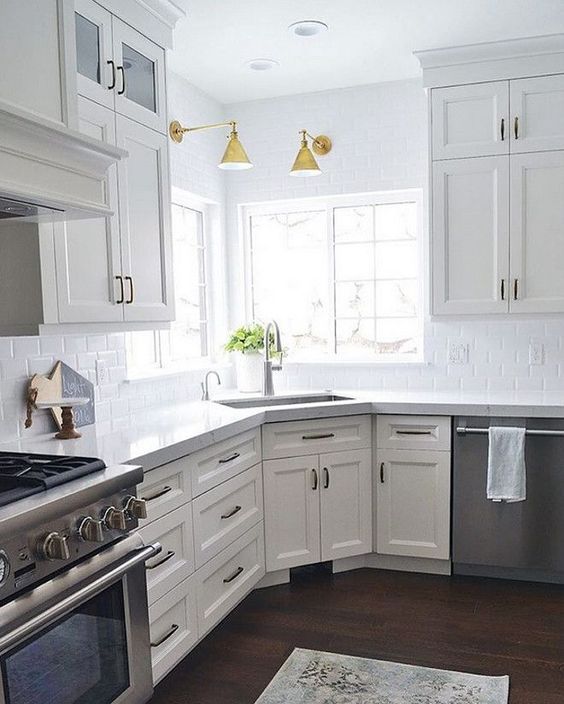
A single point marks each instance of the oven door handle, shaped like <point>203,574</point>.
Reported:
<point>90,590</point>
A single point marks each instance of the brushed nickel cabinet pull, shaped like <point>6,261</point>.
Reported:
<point>319,436</point>
<point>516,289</point>
<point>113,83</point>
<point>516,127</point>
<point>314,479</point>
<point>381,472</point>
<point>231,513</point>
<point>121,291</point>
<point>158,494</point>
<point>234,575</point>
<point>121,91</point>
<point>232,457</point>
<point>171,631</point>
<point>503,289</point>
<point>413,432</point>
<point>326,473</point>
<point>170,554</point>
<point>502,129</point>
<point>131,291</point>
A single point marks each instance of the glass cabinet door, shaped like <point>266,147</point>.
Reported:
<point>140,91</point>
<point>96,72</point>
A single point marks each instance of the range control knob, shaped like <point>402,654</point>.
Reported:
<point>54,546</point>
<point>114,518</point>
<point>91,530</point>
<point>137,508</point>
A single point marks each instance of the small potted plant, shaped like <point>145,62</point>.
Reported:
<point>248,344</point>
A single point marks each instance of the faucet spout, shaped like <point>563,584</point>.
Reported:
<point>268,385</point>
<point>206,382</point>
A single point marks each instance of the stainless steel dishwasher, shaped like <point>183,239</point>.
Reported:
<point>510,540</point>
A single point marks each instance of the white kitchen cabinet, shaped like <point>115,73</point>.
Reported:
<point>537,232</point>
<point>87,252</point>
<point>292,512</point>
<point>346,504</point>
<point>413,503</point>
<point>119,67</point>
<point>470,235</point>
<point>317,508</point>
<point>470,120</point>
<point>537,114</point>
<point>145,228</point>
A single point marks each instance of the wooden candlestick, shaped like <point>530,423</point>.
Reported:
<point>68,430</point>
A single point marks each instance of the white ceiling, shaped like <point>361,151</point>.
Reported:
<point>368,40</point>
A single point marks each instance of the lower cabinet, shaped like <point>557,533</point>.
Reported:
<point>317,507</point>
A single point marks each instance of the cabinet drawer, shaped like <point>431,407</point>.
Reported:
<point>227,578</point>
<point>224,460</point>
<point>176,561</point>
<point>165,489</point>
<point>413,432</point>
<point>173,627</point>
<point>226,512</point>
<point>312,437</point>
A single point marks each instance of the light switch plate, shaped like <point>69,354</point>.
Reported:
<point>101,372</point>
<point>458,353</point>
<point>536,352</point>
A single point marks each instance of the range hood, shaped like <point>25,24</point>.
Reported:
<point>50,172</point>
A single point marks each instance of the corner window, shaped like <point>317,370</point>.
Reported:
<point>342,276</point>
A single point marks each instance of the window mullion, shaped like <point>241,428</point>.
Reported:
<point>331,276</point>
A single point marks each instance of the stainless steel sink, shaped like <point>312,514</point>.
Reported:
<point>260,401</point>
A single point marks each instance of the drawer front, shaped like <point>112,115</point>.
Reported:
<point>224,460</point>
<point>226,512</point>
<point>413,432</point>
<point>165,488</point>
<point>176,561</point>
<point>230,576</point>
<point>312,437</point>
<point>173,627</point>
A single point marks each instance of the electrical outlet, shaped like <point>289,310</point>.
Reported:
<point>101,372</point>
<point>458,353</point>
<point>536,353</point>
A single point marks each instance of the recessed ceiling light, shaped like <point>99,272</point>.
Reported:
<point>262,64</point>
<point>308,28</point>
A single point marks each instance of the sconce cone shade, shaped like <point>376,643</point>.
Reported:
<point>305,164</point>
<point>235,157</point>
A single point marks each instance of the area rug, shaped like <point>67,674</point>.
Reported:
<point>315,677</point>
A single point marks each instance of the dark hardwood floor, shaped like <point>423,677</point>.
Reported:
<point>491,627</point>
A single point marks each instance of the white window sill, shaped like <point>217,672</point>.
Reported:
<point>163,372</point>
<point>324,362</point>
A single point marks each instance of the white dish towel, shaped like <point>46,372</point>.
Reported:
<point>507,474</point>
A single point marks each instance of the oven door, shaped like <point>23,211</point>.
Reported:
<point>82,637</point>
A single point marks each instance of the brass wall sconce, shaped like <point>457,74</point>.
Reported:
<point>234,158</point>
<point>305,163</point>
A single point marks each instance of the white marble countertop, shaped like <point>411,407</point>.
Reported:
<point>162,434</point>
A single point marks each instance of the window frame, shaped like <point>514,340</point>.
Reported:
<point>329,204</point>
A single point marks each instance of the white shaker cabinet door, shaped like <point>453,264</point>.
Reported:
<point>96,70</point>
<point>87,252</point>
<point>470,120</point>
<point>413,503</point>
<point>537,232</point>
<point>346,504</point>
<point>291,509</point>
<point>537,114</point>
<point>144,210</point>
<point>470,236</point>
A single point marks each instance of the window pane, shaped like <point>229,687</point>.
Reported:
<point>355,338</point>
<point>142,352</point>
<point>354,261</point>
<point>354,224</point>
<point>397,298</point>
<point>354,298</point>
<point>396,260</point>
<point>289,271</point>
<point>397,336</point>
<point>396,221</point>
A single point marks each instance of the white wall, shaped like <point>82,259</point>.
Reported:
<point>379,135</point>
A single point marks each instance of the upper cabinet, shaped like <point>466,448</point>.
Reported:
<point>119,67</point>
<point>497,176</point>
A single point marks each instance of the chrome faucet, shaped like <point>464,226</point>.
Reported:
<point>205,384</point>
<point>267,384</point>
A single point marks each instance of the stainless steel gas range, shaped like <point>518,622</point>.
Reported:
<point>73,606</point>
